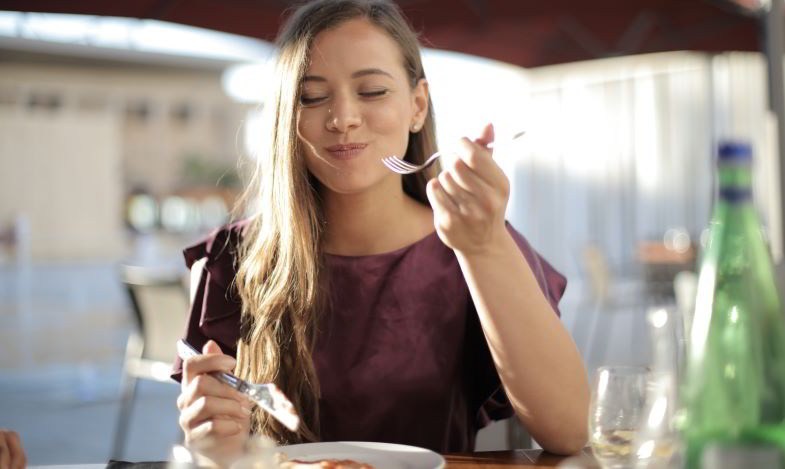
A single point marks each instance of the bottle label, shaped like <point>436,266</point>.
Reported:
<point>741,457</point>
<point>735,194</point>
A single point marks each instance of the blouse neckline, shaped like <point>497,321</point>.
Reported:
<point>393,253</point>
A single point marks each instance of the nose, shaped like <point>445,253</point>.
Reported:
<point>343,115</point>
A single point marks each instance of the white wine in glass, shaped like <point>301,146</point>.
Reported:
<point>616,413</point>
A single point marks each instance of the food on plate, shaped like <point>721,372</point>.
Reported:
<point>285,463</point>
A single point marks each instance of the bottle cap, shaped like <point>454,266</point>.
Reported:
<point>731,151</point>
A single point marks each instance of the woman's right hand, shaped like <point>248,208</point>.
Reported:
<point>215,418</point>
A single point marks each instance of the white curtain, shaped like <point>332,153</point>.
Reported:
<point>620,150</point>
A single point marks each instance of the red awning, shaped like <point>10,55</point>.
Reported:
<point>529,33</point>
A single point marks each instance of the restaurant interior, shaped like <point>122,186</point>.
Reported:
<point>126,129</point>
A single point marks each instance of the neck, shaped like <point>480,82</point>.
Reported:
<point>373,222</point>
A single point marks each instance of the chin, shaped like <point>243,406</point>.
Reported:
<point>343,188</point>
<point>350,184</point>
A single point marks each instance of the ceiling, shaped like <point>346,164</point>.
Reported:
<point>528,33</point>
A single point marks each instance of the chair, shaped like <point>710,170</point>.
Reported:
<point>605,295</point>
<point>159,301</point>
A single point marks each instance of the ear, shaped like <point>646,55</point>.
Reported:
<point>419,103</point>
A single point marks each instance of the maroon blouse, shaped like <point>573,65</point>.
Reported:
<point>400,354</point>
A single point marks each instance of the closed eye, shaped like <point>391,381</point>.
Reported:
<point>374,94</point>
<point>311,101</point>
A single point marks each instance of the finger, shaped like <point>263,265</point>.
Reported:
<point>181,399</point>
<point>467,179</point>
<point>462,198</point>
<point>479,159</point>
<point>216,428</point>
<point>211,347</point>
<point>209,408</point>
<point>5,456</point>
<point>438,197</point>
<point>17,453</point>
<point>486,136</point>
<point>485,196</point>
<point>201,364</point>
<point>206,385</point>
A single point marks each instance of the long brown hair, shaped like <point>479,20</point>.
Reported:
<point>280,277</point>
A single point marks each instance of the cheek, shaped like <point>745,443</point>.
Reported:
<point>307,133</point>
<point>312,162</point>
<point>391,123</point>
<point>306,125</point>
<point>388,119</point>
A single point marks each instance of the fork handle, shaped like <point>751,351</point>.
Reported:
<point>259,393</point>
<point>229,379</point>
<point>186,350</point>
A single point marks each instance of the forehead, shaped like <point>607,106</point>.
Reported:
<point>353,45</point>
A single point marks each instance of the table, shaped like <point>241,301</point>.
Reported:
<point>661,264</point>
<point>524,458</point>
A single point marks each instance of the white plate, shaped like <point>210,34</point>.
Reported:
<point>379,455</point>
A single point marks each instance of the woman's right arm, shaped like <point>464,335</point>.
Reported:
<point>214,417</point>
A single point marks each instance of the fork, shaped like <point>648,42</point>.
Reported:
<point>267,396</point>
<point>401,166</point>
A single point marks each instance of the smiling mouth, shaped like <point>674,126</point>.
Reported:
<point>346,151</point>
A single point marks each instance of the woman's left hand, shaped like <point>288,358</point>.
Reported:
<point>12,455</point>
<point>469,198</point>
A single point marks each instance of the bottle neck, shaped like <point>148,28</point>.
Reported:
<point>735,181</point>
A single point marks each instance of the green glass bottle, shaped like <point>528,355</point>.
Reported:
<point>733,391</point>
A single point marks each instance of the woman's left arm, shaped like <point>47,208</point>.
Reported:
<point>536,359</point>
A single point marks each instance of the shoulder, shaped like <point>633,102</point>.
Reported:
<point>219,249</point>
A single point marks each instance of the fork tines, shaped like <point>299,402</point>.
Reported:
<point>399,166</point>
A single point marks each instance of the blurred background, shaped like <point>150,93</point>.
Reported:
<point>123,127</point>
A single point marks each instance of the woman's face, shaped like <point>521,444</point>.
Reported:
<point>357,107</point>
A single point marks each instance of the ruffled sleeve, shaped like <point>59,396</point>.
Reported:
<point>215,310</point>
<point>488,392</point>
<point>552,283</point>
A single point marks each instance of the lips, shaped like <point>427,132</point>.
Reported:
<point>346,151</point>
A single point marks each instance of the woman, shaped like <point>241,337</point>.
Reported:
<point>340,291</point>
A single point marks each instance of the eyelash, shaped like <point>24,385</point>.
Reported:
<point>305,101</point>
<point>310,101</point>
<point>374,94</point>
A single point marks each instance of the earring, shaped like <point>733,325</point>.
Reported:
<point>415,127</point>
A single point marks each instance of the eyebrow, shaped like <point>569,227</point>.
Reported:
<point>357,74</point>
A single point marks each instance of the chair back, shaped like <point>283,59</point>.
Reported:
<point>160,303</point>
<point>598,272</point>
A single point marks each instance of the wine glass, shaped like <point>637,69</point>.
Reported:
<point>658,443</point>
<point>616,413</point>
<point>180,457</point>
<point>258,452</point>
